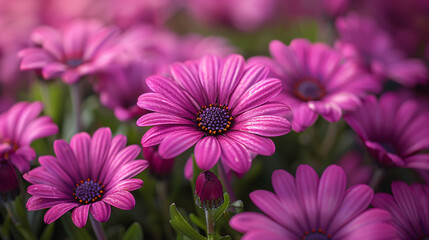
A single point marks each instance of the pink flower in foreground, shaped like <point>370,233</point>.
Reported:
<point>88,175</point>
<point>394,131</point>
<point>19,127</point>
<point>222,106</point>
<point>79,49</point>
<point>308,208</point>
<point>317,81</point>
<point>409,209</point>
<point>376,52</point>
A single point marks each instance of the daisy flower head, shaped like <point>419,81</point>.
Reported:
<point>317,81</point>
<point>375,50</point>
<point>223,106</point>
<point>393,130</point>
<point>309,208</point>
<point>78,49</point>
<point>87,175</point>
<point>19,127</point>
<point>409,208</point>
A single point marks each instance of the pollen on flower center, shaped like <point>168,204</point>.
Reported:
<point>88,191</point>
<point>319,234</point>
<point>308,89</point>
<point>214,119</point>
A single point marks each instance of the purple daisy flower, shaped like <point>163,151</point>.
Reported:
<point>19,127</point>
<point>409,207</point>
<point>89,174</point>
<point>317,81</point>
<point>79,49</point>
<point>222,105</point>
<point>394,131</point>
<point>306,208</point>
<point>376,52</point>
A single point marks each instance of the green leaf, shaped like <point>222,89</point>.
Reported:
<point>48,232</point>
<point>224,238</point>
<point>198,221</point>
<point>134,232</point>
<point>74,232</point>
<point>179,223</point>
<point>222,208</point>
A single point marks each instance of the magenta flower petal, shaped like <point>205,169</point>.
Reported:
<point>187,78</point>
<point>317,80</point>
<point>221,96</point>
<point>332,184</point>
<point>78,49</point>
<point>57,211</point>
<point>152,119</point>
<point>258,94</point>
<point>268,126</point>
<point>53,70</point>
<point>122,200</point>
<point>19,127</point>
<point>208,73</point>
<point>207,151</point>
<point>306,208</point>
<point>45,191</point>
<point>90,174</point>
<point>229,76</point>
<point>178,142</point>
<point>392,130</point>
<point>235,155</point>
<point>254,143</point>
<point>101,211</point>
<point>80,215</point>
<point>253,74</point>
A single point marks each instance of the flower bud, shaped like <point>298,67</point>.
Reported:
<point>9,186</point>
<point>158,166</point>
<point>208,190</point>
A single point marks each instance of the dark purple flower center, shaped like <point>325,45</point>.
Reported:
<point>13,147</point>
<point>389,147</point>
<point>319,234</point>
<point>74,62</point>
<point>88,191</point>
<point>308,89</point>
<point>214,119</point>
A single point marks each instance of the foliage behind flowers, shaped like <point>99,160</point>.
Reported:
<point>222,98</point>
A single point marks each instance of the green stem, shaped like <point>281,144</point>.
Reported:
<point>76,105</point>
<point>210,224</point>
<point>98,229</point>
<point>45,96</point>
<point>161,191</point>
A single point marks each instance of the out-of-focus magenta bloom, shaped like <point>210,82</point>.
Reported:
<point>144,51</point>
<point>317,9</point>
<point>126,13</point>
<point>158,166</point>
<point>409,209</point>
<point>223,106</point>
<point>374,49</point>
<point>79,49</point>
<point>19,127</point>
<point>194,46</point>
<point>356,171</point>
<point>317,81</point>
<point>209,190</point>
<point>9,186</point>
<point>87,175</point>
<point>393,130</point>
<point>245,15</point>
<point>308,208</point>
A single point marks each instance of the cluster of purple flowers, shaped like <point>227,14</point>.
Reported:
<point>195,94</point>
